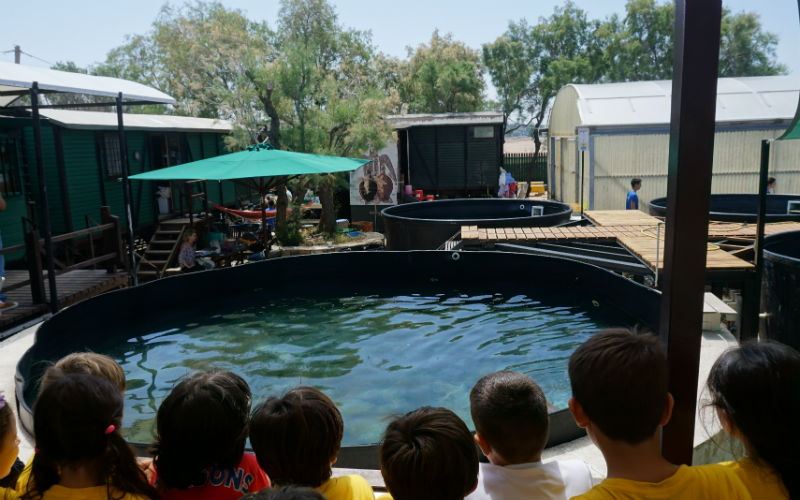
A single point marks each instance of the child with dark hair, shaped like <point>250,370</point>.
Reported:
<point>86,363</point>
<point>620,396</point>
<point>756,391</point>
<point>428,453</point>
<point>632,200</point>
<point>80,452</point>
<point>297,439</point>
<point>201,428</point>
<point>9,446</point>
<point>511,427</point>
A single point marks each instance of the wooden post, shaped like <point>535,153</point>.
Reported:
<point>187,192</point>
<point>33,251</point>
<point>91,242</point>
<point>112,239</point>
<point>691,154</point>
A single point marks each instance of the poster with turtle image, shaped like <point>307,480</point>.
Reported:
<point>374,183</point>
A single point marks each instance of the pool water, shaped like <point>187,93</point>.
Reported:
<point>374,356</point>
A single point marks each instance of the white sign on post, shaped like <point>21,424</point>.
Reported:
<point>583,138</point>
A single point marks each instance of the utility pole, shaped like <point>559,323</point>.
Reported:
<point>17,54</point>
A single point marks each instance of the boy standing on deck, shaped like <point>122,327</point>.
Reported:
<point>619,395</point>
<point>632,201</point>
<point>511,427</point>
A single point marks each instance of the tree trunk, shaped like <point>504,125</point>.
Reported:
<point>327,219</point>
<point>280,206</point>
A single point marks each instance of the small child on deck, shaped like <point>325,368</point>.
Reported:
<point>756,391</point>
<point>511,427</point>
<point>297,439</point>
<point>201,428</point>
<point>80,452</point>
<point>619,395</point>
<point>428,453</point>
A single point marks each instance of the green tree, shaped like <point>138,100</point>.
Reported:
<point>529,64</point>
<point>443,77</point>
<point>745,49</point>
<point>640,47</point>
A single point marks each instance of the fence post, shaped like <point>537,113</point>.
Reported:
<point>112,239</point>
<point>33,253</point>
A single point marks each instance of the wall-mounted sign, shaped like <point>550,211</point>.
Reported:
<point>374,183</point>
<point>583,138</point>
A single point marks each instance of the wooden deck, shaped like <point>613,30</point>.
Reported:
<point>632,229</point>
<point>72,286</point>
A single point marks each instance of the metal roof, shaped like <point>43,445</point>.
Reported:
<point>19,76</point>
<point>444,119</point>
<point>761,98</point>
<point>94,120</point>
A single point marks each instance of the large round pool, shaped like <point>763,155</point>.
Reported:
<point>381,333</point>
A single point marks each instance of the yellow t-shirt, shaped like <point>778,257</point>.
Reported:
<point>352,487</point>
<point>22,479</point>
<point>58,492</point>
<point>688,483</point>
<point>8,493</point>
<point>762,482</point>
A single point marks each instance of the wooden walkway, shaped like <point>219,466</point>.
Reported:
<point>72,286</point>
<point>632,229</point>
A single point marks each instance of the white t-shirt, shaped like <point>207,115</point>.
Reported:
<point>553,480</point>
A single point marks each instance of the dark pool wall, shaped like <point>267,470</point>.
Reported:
<point>92,322</point>
<point>426,225</point>
<point>781,288</point>
<point>739,207</point>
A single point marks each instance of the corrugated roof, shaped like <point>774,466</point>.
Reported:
<point>95,120</point>
<point>445,119</point>
<point>762,98</point>
<point>20,76</point>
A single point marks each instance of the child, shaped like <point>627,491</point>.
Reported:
<point>297,438</point>
<point>80,452</point>
<point>9,445</point>
<point>756,391</point>
<point>87,363</point>
<point>619,395</point>
<point>632,200</point>
<point>201,428</point>
<point>428,453</point>
<point>511,426</point>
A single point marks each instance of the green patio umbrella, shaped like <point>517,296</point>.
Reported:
<point>253,166</point>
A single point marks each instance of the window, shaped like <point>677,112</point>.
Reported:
<point>10,181</point>
<point>481,132</point>
<point>113,159</point>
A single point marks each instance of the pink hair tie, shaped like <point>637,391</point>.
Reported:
<point>110,429</point>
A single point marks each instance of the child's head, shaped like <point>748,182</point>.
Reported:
<point>9,442</point>
<point>510,415</point>
<point>87,363</point>
<point>296,438</point>
<point>76,421</point>
<point>429,453</point>
<point>756,390</point>
<point>636,183</point>
<point>202,422</point>
<point>620,381</point>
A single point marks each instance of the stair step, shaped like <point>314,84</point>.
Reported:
<point>158,252</point>
<point>157,262</point>
<point>147,273</point>
<point>161,231</point>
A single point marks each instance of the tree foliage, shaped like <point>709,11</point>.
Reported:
<point>528,64</point>
<point>444,76</point>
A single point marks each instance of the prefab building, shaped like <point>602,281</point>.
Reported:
<point>626,131</point>
<point>450,155</point>
<point>83,168</point>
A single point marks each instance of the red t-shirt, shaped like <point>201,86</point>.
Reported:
<point>223,484</point>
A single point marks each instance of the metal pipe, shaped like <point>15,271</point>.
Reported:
<point>48,241</point>
<point>658,252</point>
<point>126,191</point>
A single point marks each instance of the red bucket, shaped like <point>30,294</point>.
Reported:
<point>429,197</point>
<point>418,194</point>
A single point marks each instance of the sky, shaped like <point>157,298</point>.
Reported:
<point>85,31</point>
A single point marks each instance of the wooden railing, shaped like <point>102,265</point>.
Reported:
<point>113,254</point>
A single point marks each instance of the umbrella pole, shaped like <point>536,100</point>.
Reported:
<point>263,194</point>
